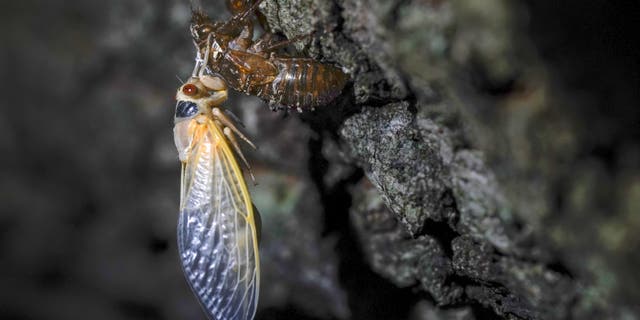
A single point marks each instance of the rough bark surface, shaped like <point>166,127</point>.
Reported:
<point>445,152</point>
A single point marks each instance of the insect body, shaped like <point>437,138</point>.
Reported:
<point>254,67</point>
<point>217,233</point>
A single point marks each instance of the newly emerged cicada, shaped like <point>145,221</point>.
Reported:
<point>256,68</point>
<point>217,227</point>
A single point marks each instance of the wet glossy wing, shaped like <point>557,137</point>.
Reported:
<point>216,230</point>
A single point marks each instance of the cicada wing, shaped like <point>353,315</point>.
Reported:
<point>216,230</point>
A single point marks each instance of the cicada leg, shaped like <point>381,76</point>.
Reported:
<point>205,61</point>
<point>239,19</point>
<point>229,124</point>
<point>268,44</point>
<point>227,132</point>
<point>237,6</point>
<point>197,65</point>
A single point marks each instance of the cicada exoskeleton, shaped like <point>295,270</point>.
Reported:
<point>257,68</point>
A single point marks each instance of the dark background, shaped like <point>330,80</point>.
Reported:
<point>89,175</point>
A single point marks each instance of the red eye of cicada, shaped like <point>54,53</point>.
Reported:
<point>190,89</point>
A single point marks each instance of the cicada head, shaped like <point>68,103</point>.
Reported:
<point>193,109</point>
<point>201,26</point>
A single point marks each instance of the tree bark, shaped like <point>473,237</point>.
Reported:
<point>454,120</point>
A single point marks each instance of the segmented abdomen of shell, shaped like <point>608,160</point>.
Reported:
<point>302,84</point>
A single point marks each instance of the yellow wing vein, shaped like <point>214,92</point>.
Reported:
<point>235,181</point>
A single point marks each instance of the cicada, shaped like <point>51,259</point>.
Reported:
<point>217,231</point>
<point>257,68</point>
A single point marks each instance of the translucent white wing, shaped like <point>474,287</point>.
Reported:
<point>216,229</point>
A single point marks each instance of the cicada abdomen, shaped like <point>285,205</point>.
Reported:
<point>301,83</point>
